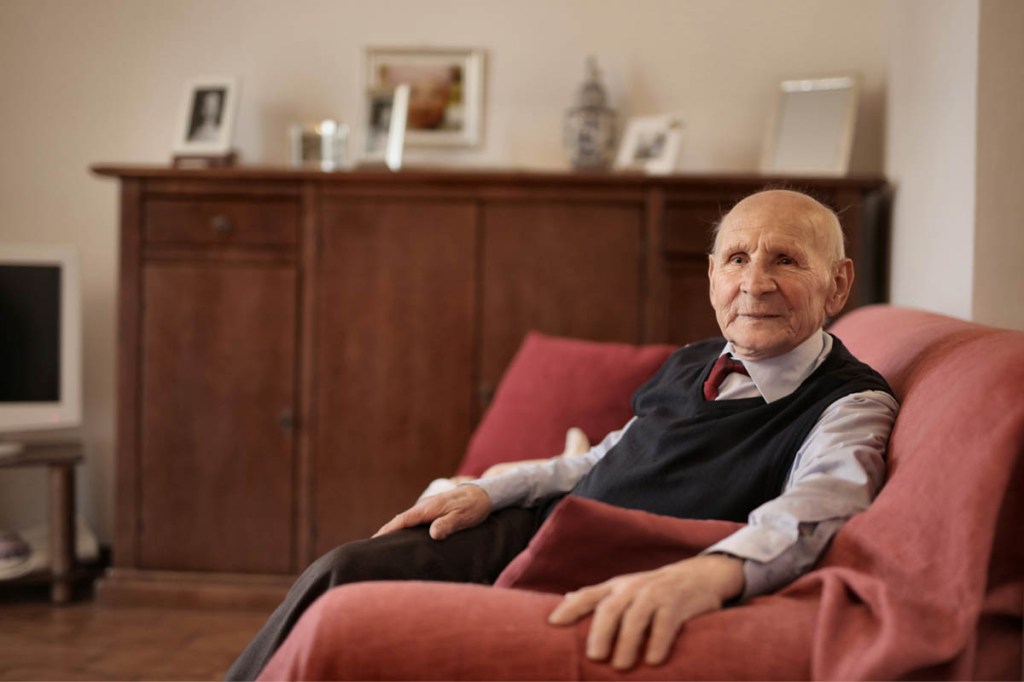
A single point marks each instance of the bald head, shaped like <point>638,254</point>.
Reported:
<point>819,219</point>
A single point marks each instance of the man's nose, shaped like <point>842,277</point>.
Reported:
<point>757,280</point>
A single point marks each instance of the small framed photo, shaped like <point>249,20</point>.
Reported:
<point>651,144</point>
<point>446,91</point>
<point>207,123</point>
<point>321,145</point>
<point>386,116</point>
<point>811,129</point>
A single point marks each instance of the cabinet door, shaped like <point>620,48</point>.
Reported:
<point>563,268</point>
<point>686,242</point>
<point>394,357</point>
<point>217,394</point>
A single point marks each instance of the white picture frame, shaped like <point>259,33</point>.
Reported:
<point>446,91</point>
<point>206,125</point>
<point>651,144</point>
<point>386,116</point>
<point>810,131</point>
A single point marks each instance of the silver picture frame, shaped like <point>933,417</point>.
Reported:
<point>811,128</point>
<point>386,116</point>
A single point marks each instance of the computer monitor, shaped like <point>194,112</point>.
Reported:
<point>40,340</point>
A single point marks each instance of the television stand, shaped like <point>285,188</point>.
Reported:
<point>61,459</point>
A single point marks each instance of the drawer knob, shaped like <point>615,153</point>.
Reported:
<point>221,224</point>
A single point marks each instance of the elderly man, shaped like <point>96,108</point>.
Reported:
<point>777,425</point>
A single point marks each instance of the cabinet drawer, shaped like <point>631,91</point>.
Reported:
<point>271,222</point>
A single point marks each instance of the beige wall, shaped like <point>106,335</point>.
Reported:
<point>998,296</point>
<point>85,81</point>
<point>954,124</point>
<point>931,151</point>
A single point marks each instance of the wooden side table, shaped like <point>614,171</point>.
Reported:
<point>61,459</point>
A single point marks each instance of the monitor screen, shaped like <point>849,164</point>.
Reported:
<point>30,336</point>
<point>40,381</point>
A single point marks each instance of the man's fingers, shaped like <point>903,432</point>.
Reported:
<point>633,626</point>
<point>667,622</point>
<point>447,513</point>
<point>606,624</point>
<point>665,628</point>
<point>419,513</point>
<point>607,605</point>
<point>575,605</point>
<point>444,526</point>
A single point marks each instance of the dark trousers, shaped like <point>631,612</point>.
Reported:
<point>475,555</point>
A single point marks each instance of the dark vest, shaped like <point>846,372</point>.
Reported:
<point>692,458</point>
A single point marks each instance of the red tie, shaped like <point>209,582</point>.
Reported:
<point>724,366</point>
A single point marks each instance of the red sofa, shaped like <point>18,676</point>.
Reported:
<point>926,584</point>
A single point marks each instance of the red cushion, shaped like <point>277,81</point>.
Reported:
<point>553,384</point>
<point>585,542</point>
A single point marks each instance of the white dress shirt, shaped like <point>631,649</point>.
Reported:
<point>836,473</point>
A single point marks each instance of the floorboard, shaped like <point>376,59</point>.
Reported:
<point>87,641</point>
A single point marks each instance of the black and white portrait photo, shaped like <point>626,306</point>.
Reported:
<point>207,112</point>
<point>207,120</point>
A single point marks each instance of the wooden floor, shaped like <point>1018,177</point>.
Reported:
<point>85,641</point>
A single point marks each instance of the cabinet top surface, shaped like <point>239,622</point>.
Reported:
<point>475,176</point>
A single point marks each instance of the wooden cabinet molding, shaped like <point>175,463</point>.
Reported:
<point>300,352</point>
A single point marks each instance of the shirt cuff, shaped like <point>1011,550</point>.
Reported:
<point>501,495</point>
<point>796,557</point>
<point>757,543</point>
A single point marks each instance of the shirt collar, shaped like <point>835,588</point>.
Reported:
<point>777,377</point>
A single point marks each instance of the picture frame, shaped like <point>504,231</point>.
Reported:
<point>386,115</point>
<point>206,126</point>
<point>322,145</point>
<point>651,144</point>
<point>446,91</point>
<point>810,131</point>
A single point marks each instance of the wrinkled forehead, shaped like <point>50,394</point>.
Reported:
<point>780,218</point>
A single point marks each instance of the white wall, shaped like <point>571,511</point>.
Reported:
<point>999,227</point>
<point>954,124</point>
<point>931,151</point>
<point>88,81</point>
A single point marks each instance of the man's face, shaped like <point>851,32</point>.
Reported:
<point>773,279</point>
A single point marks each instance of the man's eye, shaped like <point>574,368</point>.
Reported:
<point>737,259</point>
<point>786,260</point>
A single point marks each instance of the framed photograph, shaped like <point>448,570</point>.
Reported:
<point>321,145</point>
<point>207,123</point>
<point>446,92</point>
<point>386,115</point>
<point>811,129</point>
<point>651,144</point>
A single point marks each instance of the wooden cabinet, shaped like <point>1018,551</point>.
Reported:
<point>396,310</point>
<point>301,352</point>
<point>572,268</point>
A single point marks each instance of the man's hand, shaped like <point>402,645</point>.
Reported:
<point>447,513</point>
<point>653,603</point>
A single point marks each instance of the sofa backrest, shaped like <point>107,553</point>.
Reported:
<point>555,383</point>
<point>946,528</point>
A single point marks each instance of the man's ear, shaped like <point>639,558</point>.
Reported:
<point>842,281</point>
<point>711,277</point>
